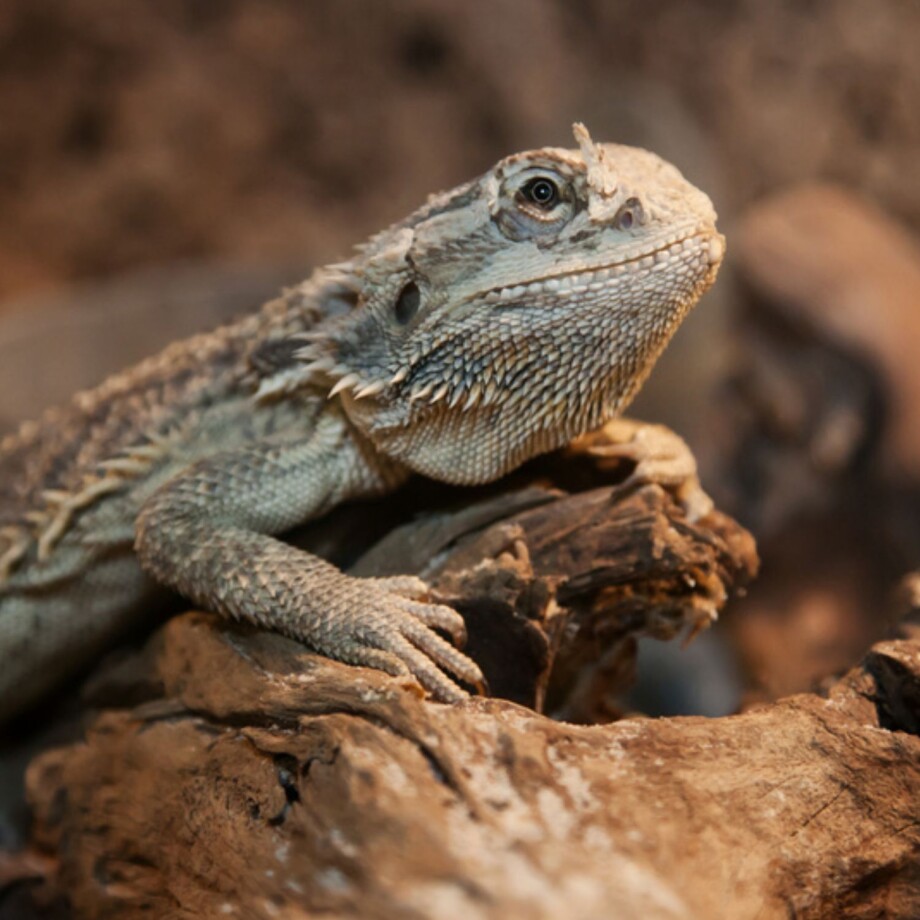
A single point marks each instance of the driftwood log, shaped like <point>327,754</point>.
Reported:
<point>232,773</point>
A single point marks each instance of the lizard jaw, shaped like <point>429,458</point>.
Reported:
<point>705,247</point>
<point>694,257</point>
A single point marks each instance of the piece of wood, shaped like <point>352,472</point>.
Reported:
<point>601,567</point>
<point>256,776</point>
<point>272,783</point>
<point>259,780</point>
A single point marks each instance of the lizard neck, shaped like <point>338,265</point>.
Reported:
<point>540,411</point>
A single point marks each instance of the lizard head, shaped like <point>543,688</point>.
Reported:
<point>521,310</point>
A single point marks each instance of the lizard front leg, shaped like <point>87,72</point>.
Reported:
<point>660,456</point>
<point>206,533</point>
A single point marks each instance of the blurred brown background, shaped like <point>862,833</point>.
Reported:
<point>164,163</point>
<point>136,133</point>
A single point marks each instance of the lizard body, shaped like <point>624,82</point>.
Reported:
<point>499,321</point>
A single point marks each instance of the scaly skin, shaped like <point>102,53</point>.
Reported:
<point>499,321</point>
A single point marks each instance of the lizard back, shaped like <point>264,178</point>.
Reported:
<point>66,444</point>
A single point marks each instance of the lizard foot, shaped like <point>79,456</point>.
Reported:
<point>399,637</point>
<point>660,456</point>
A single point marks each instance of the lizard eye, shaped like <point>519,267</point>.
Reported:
<point>535,203</point>
<point>407,303</point>
<point>630,214</point>
<point>542,192</point>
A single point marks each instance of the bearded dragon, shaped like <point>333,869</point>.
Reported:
<point>499,321</point>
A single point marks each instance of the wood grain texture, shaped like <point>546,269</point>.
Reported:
<point>258,780</point>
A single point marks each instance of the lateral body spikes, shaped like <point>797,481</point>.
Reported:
<point>311,336</point>
<point>473,397</point>
<point>490,393</point>
<point>125,465</point>
<point>343,383</point>
<point>281,384</point>
<point>269,388</point>
<point>313,367</point>
<point>371,389</point>
<point>146,451</point>
<point>421,393</point>
<point>15,542</point>
<point>439,394</point>
<point>308,354</point>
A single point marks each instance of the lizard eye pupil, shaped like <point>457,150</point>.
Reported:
<point>542,192</point>
<point>407,303</point>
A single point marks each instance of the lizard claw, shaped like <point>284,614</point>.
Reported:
<point>400,639</point>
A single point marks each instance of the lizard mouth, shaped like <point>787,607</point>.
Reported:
<point>705,248</point>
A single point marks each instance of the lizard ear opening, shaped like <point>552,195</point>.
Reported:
<point>407,304</point>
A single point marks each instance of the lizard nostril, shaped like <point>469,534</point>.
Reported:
<point>629,215</point>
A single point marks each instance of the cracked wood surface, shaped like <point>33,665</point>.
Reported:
<point>318,791</point>
<point>258,780</point>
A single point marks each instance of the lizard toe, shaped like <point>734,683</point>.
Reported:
<point>424,668</point>
<point>379,659</point>
<point>444,654</point>
<point>409,586</point>
<point>440,617</point>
